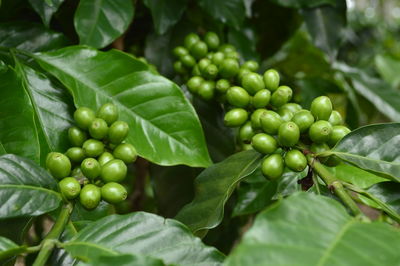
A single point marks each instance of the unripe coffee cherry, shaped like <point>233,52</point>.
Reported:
<point>218,58</point>
<point>320,131</point>
<point>335,118</point>
<point>93,147</point>
<point>83,117</point>
<point>288,134</point>
<point>261,98</point>
<point>118,132</point>
<point>179,68</point>
<point>292,107</point>
<point>194,84</point>
<point>229,68</point>
<point>281,95</point>
<point>271,79</point>
<point>199,49</point>
<point>242,72</point>
<point>125,152</point>
<point>105,157</point>
<point>256,118</point>
<point>235,117</point>
<point>212,40</point>
<point>211,71</point>
<point>319,148</point>
<point>295,160</point>
<point>203,64</point>
<point>227,48</point>
<point>58,165</point>
<point>237,96</point>
<point>114,171</point>
<point>113,193</point>
<point>75,154</point>
<point>270,122</point>
<point>251,65</point>
<point>196,71</point>
<point>338,132</point>
<point>321,108</point>
<point>191,39</point>
<point>178,52</point>
<point>90,196</point>
<point>91,168</point>
<point>246,132</point>
<point>252,82</point>
<point>76,136</point>
<point>272,166</point>
<point>206,90</point>
<point>304,119</point>
<point>188,61</point>
<point>264,143</point>
<point>286,114</point>
<point>69,187</point>
<point>98,129</point>
<point>108,112</point>
<point>222,86</point>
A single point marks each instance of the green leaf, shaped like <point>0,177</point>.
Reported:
<point>304,3</point>
<point>100,22</point>
<point>30,37</point>
<point>355,175</point>
<point>384,98</point>
<point>388,67</point>
<point>288,183</point>
<point>213,187</point>
<point>81,214</point>
<point>387,192</point>
<point>45,10</point>
<point>372,148</point>
<point>306,229</point>
<point>254,197</point>
<point>8,248</point>
<point>125,260</point>
<point>142,234</point>
<point>165,13</point>
<point>245,41</point>
<point>230,12</point>
<point>326,25</point>
<point>163,125</point>
<point>25,188</point>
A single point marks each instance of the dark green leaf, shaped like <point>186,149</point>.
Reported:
<point>245,41</point>
<point>304,3</point>
<point>373,148</point>
<point>125,260</point>
<point>355,175</point>
<point>384,98</point>
<point>389,68</point>
<point>8,248</point>
<point>326,25</point>
<point>306,229</point>
<point>288,183</point>
<point>81,214</point>
<point>165,13</point>
<point>213,188</point>
<point>142,234</point>
<point>99,22</point>
<point>163,125</point>
<point>45,10</point>
<point>25,188</point>
<point>387,192</point>
<point>30,37</point>
<point>230,12</point>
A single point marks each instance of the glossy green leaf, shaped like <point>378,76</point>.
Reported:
<point>230,12</point>
<point>388,67</point>
<point>99,22</point>
<point>326,25</point>
<point>8,248</point>
<point>304,3</point>
<point>45,10</point>
<point>125,260</point>
<point>381,95</point>
<point>373,148</point>
<point>165,13</point>
<point>306,229</point>
<point>213,188</point>
<point>25,188</point>
<point>254,197</point>
<point>355,175</point>
<point>245,41</point>
<point>289,183</point>
<point>163,125</point>
<point>387,192</point>
<point>30,37</point>
<point>142,234</point>
<point>81,214</point>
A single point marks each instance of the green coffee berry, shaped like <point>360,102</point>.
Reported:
<point>194,84</point>
<point>179,68</point>
<point>272,166</point>
<point>222,85</point>
<point>261,98</point>
<point>105,157</point>
<point>338,132</point>
<point>286,114</point>
<point>288,134</point>
<point>75,154</point>
<point>203,64</point>
<point>69,187</point>
<point>188,61</point>
<point>292,107</point>
<point>335,118</point>
<point>58,165</point>
<point>271,79</point>
<point>118,132</point>
<point>91,168</point>
<point>237,96</point>
<point>304,119</point>
<point>251,65</point>
<point>211,71</point>
<point>206,90</point>
<point>196,71</point>
<point>270,122</point>
<point>76,136</point>
<point>98,129</point>
<point>199,50</point>
<point>252,82</point>
<point>281,96</point>
<point>256,118</point>
<point>264,143</point>
<point>191,39</point>
<point>93,147</point>
<point>125,152</point>
<point>212,40</point>
<point>320,131</point>
<point>235,117</point>
<point>229,68</point>
<point>180,51</point>
<point>295,160</point>
<point>83,117</point>
<point>321,108</point>
<point>227,48</point>
<point>90,196</point>
<point>246,132</point>
<point>114,171</point>
<point>319,148</point>
<point>218,58</point>
<point>113,192</point>
<point>108,112</point>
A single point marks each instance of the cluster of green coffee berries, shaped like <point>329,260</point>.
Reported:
<point>258,105</point>
<point>96,163</point>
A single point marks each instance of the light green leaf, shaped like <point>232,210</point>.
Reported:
<point>142,234</point>
<point>373,148</point>
<point>163,125</point>
<point>306,229</point>
<point>25,188</point>
<point>46,10</point>
<point>99,22</point>
<point>213,187</point>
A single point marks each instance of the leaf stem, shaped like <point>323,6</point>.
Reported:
<point>333,183</point>
<point>50,240</point>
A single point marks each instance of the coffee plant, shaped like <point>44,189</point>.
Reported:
<point>201,132</point>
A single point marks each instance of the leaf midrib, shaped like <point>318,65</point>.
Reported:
<point>31,188</point>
